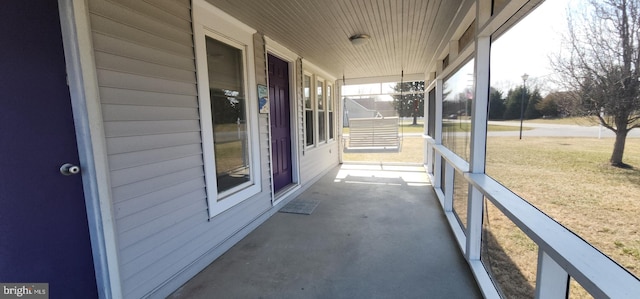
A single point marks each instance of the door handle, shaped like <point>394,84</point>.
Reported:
<point>69,169</point>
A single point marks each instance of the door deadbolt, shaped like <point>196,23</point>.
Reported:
<point>69,169</point>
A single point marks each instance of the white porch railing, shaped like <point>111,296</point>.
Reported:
<point>561,253</point>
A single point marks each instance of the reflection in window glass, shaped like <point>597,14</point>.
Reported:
<point>229,115</point>
<point>308,111</point>
<point>456,111</point>
<point>431,124</point>
<point>330,112</point>
<point>322,121</point>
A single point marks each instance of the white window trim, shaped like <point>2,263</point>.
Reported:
<point>279,50</point>
<point>210,21</point>
<point>313,69</point>
<point>316,109</point>
<point>315,72</point>
<point>329,96</point>
<point>312,97</point>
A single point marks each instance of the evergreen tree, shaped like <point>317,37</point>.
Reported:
<point>548,106</point>
<point>532,98</point>
<point>513,103</point>
<point>515,99</point>
<point>411,102</point>
<point>497,105</point>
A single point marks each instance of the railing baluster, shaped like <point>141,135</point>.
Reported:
<point>474,224</point>
<point>552,281</point>
<point>448,186</point>
<point>437,170</point>
<point>594,271</point>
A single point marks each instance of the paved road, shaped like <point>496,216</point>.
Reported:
<point>556,130</point>
<point>546,130</point>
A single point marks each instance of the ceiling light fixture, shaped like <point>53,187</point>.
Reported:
<point>359,39</point>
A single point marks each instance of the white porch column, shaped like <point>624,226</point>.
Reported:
<point>478,145</point>
<point>437,165</point>
<point>427,152</point>
<point>438,114</point>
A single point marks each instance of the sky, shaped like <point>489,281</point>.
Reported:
<point>525,48</point>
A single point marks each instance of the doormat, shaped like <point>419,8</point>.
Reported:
<point>304,207</point>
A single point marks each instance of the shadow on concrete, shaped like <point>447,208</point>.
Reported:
<point>378,232</point>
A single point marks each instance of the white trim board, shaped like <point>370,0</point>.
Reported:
<point>281,51</point>
<point>312,68</point>
<point>92,150</point>
<point>222,22</point>
<point>383,79</point>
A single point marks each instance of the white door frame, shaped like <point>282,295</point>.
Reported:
<point>290,58</point>
<point>92,149</point>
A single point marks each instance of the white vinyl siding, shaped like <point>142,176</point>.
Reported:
<point>146,71</point>
<point>317,159</point>
<point>147,82</point>
<point>260,60</point>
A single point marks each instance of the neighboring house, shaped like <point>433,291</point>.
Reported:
<point>132,149</point>
<point>366,107</point>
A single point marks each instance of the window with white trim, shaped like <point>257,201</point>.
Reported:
<point>322,121</point>
<point>330,112</point>
<point>228,121</point>
<point>308,111</point>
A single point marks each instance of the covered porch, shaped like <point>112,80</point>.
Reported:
<point>188,113</point>
<point>378,231</point>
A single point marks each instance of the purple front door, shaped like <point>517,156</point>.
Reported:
<point>280,122</point>
<point>44,235</point>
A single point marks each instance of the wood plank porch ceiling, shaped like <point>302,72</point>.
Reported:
<point>405,34</point>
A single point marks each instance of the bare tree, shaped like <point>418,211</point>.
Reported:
<point>602,65</point>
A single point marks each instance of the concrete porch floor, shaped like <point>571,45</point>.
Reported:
<point>378,232</point>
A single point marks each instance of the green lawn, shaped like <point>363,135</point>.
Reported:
<point>466,127</point>
<point>580,121</point>
<point>570,180</point>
